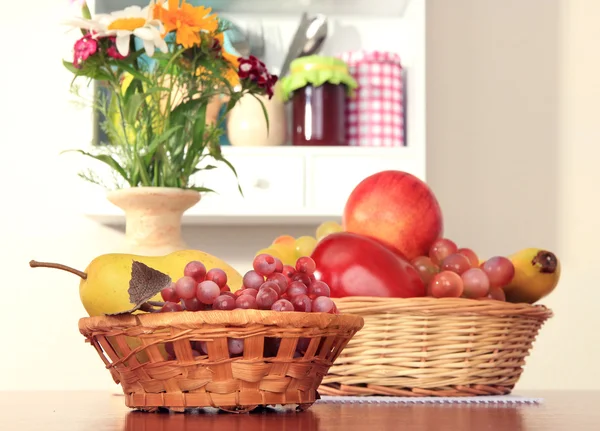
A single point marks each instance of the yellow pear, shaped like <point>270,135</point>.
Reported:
<point>104,284</point>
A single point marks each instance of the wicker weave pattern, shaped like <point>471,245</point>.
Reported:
<point>434,347</point>
<point>268,372</point>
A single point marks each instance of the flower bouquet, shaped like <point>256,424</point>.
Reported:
<point>166,76</point>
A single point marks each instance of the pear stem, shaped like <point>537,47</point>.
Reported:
<point>36,264</point>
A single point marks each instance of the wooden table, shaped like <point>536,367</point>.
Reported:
<point>101,411</point>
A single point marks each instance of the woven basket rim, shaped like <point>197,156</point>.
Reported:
<point>238,317</point>
<point>367,305</point>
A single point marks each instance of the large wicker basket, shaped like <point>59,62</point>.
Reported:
<point>269,372</point>
<point>434,347</point>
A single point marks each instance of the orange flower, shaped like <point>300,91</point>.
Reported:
<point>231,74</point>
<point>187,20</point>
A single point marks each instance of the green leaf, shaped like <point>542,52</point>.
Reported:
<point>71,67</point>
<point>202,189</point>
<point>198,139</point>
<point>224,160</point>
<point>136,73</point>
<point>264,109</point>
<point>105,159</point>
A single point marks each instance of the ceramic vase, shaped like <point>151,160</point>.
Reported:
<point>247,126</point>
<point>153,218</point>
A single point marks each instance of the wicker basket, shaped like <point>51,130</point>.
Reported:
<point>269,372</point>
<point>434,347</point>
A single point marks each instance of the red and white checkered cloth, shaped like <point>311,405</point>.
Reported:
<point>375,116</point>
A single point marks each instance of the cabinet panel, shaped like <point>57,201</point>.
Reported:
<point>269,182</point>
<point>331,179</point>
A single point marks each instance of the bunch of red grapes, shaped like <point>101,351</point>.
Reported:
<point>452,272</point>
<point>271,285</point>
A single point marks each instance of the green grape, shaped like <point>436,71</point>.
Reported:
<point>305,246</point>
<point>327,228</point>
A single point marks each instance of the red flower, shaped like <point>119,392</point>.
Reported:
<point>84,48</point>
<point>112,48</point>
<point>255,70</point>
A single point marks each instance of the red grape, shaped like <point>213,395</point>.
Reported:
<point>446,284</point>
<point>192,304</point>
<point>230,294</point>
<point>302,345</point>
<point>288,271</point>
<point>278,265</point>
<point>282,305</point>
<point>170,348</point>
<point>272,285</point>
<point>251,292</point>
<point>218,276</point>
<point>223,302</point>
<point>425,267</point>
<point>440,249</point>
<point>280,279</point>
<point>318,288</point>
<point>322,304</point>
<point>264,264</point>
<point>476,283</point>
<point>266,297</point>
<point>196,353</point>
<point>196,270</point>
<point>497,293</point>
<point>200,346</point>
<point>296,288</point>
<point>455,262</point>
<point>207,292</point>
<point>499,270</point>
<point>471,255</point>
<point>171,307</point>
<point>185,287</point>
<point>235,345</point>
<point>246,302</point>
<point>253,279</point>
<point>225,288</point>
<point>168,294</point>
<point>306,265</point>
<point>302,277</point>
<point>302,303</point>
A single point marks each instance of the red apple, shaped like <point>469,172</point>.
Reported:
<point>397,209</point>
<point>355,265</point>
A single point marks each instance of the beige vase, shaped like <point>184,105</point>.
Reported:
<point>153,218</point>
<point>247,127</point>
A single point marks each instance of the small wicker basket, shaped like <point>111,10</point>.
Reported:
<point>270,371</point>
<point>434,347</point>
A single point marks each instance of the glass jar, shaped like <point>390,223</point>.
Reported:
<point>318,88</point>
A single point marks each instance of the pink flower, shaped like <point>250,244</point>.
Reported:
<point>255,70</point>
<point>83,49</point>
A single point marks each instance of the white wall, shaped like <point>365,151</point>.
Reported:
<point>513,150</point>
<point>512,100</point>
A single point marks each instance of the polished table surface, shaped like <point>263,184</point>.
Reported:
<point>103,411</point>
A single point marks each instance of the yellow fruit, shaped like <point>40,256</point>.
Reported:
<point>327,228</point>
<point>286,240</point>
<point>305,246</point>
<point>537,272</point>
<point>285,252</point>
<point>104,286</point>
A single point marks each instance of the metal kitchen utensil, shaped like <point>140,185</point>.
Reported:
<point>315,35</point>
<point>297,44</point>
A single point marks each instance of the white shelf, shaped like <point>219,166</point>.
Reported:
<point>304,185</point>
<point>115,217</point>
<point>287,7</point>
